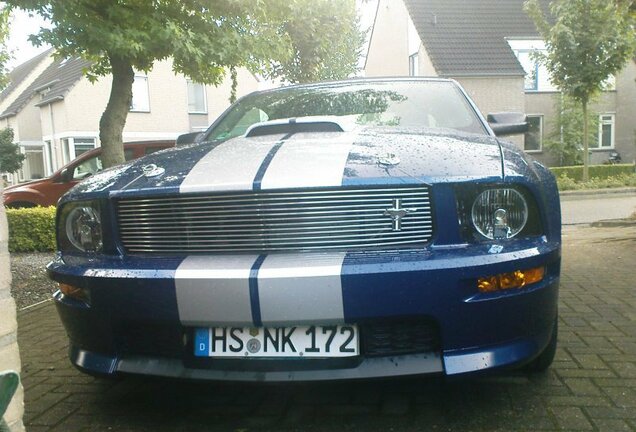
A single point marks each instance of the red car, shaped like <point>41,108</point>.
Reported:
<point>46,191</point>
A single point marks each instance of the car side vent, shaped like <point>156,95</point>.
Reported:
<point>293,126</point>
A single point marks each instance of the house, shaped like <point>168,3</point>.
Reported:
<point>485,45</point>
<point>54,109</point>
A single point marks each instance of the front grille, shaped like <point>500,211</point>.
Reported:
<point>273,221</point>
<point>400,337</point>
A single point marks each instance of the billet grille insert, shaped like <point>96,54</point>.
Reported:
<point>322,219</point>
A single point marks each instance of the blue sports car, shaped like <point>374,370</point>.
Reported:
<point>355,229</point>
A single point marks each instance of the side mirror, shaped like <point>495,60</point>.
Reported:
<point>508,123</point>
<point>189,138</point>
<point>64,176</point>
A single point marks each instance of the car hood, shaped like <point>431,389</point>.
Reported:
<point>26,185</point>
<point>306,160</point>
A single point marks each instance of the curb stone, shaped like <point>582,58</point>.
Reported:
<point>596,192</point>
<point>614,223</point>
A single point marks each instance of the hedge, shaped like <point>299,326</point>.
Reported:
<point>596,171</point>
<point>31,229</point>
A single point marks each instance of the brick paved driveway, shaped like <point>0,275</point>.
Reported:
<point>591,386</point>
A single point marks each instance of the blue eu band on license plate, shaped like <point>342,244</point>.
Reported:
<point>297,341</point>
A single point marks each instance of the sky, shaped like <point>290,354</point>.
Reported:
<point>23,25</point>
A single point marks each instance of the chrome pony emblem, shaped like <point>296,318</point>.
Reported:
<point>397,213</point>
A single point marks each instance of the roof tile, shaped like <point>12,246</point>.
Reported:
<point>59,77</point>
<point>468,37</point>
<point>22,71</point>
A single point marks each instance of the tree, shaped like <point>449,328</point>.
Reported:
<point>565,141</point>
<point>5,55</point>
<point>589,41</point>
<point>10,156</point>
<point>326,43</point>
<point>204,38</point>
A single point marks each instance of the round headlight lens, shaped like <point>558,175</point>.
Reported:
<point>499,213</point>
<point>84,229</point>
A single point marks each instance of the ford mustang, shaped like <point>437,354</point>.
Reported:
<point>355,229</point>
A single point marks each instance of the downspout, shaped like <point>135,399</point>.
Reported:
<point>53,151</point>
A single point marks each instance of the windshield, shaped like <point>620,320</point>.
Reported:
<point>405,104</point>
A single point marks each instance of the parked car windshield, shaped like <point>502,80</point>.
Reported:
<point>404,104</point>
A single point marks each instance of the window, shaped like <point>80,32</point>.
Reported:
<point>605,132</point>
<point>414,65</point>
<point>431,104</point>
<point>129,154</point>
<point>196,98</point>
<point>66,152</point>
<point>82,145</point>
<point>140,99</point>
<point>33,166</point>
<point>531,68</point>
<point>73,147</point>
<point>534,136</point>
<point>87,168</point>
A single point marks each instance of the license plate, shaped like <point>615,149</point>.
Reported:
<point>298,341</point>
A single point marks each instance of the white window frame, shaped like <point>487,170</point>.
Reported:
<point>610,122</point>
<point>72,145</point>
<point>25,149</point>
<point>414,64</point>
<point>69,146</point>
<point>534,74</point>
<point>49,163</point>
<point>66,150</point>
<point>541,125</point>
<point>144,109</point>
<point>20,172</point>
<point>205,97</point>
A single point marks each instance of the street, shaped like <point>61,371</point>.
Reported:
<point>583,209</point>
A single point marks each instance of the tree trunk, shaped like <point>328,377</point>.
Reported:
<point>586,143</point>
<point>112,123</point>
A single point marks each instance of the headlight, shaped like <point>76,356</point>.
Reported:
<point>80,227</point>
<point>499,213</point>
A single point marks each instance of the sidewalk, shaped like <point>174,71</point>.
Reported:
<point>593,193</point>
<point>591,386</point>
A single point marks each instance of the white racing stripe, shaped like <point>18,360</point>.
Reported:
<point>295,291</point>
<point>307,161</point>
<point>230,166</point>
<point>214,290</point>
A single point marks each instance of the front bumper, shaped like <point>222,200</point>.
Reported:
<point>136,321</point>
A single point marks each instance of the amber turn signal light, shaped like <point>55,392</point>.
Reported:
<point>74,292</point>
<point>515,279</point>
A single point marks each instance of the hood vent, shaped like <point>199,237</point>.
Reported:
<point>288,126</point>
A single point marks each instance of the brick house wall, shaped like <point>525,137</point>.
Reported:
<point>507,95</point>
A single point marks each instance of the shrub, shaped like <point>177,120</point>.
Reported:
<point>31,229</point>
<point>620,180</point>
<point>596,171</point>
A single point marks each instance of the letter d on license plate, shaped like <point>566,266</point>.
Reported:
<point>299,341</point>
